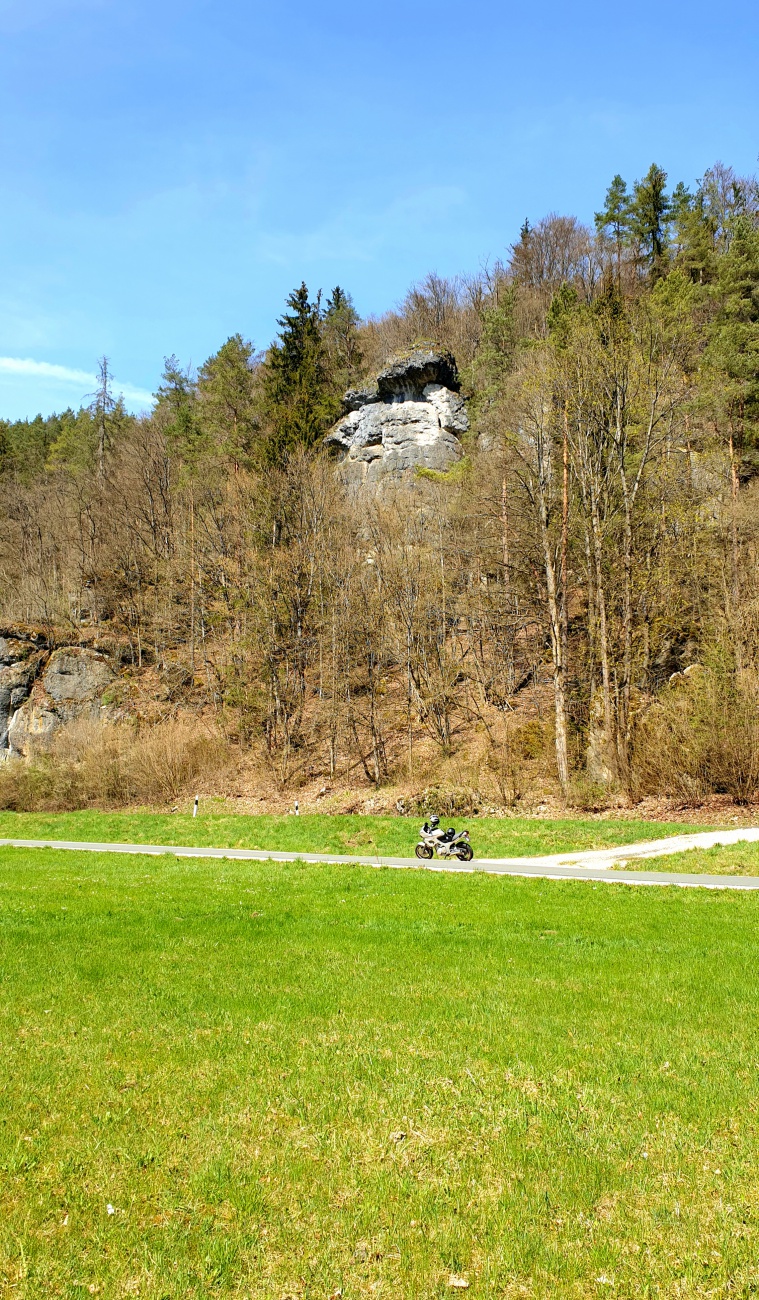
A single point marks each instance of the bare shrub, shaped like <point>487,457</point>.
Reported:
<point>166,759</point>
<point>456,801</point>
<point>24,788</point>
<point>702,735</point>
<point>518,750</point>
<point>93,765</point>
<point>587,795</point>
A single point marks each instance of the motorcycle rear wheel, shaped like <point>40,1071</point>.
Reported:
<point>423,851</point>
<point>465,853</point>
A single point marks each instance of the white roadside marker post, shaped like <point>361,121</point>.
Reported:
<point>297,809</point>
<point>195,807</point>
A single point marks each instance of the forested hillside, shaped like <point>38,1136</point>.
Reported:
<point>533,611</point>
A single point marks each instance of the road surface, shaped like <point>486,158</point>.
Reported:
<point>592,864</point>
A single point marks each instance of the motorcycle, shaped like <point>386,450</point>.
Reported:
<point>446,844</point>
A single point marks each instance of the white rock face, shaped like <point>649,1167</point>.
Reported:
<point>71,687</point>
<point>411,420</point>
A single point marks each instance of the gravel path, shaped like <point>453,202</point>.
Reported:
<point>592,864</point>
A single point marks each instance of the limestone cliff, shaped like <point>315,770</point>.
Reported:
<point>411,418</point>
<point>41,690</point>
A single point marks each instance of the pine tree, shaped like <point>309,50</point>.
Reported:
<point>650,217</point>
<point>681,210</point>
<point>616,217</point>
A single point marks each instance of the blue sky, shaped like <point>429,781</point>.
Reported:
<point>169,172</point>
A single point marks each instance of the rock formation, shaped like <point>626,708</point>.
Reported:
<point>20,659</point>
<point>411,418</point>
<point>40,690</point>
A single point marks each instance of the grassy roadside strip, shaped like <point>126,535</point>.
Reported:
<point>722,860</point>
<point>492,837</point>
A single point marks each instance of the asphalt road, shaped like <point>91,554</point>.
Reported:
<point>594,864</point>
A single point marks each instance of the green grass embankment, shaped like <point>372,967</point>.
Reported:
<point>327,833</point>
<point>729,860</point>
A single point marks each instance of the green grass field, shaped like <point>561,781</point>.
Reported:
<point>731,860</point>
<point>292,1081</point>
<point>332,833</point>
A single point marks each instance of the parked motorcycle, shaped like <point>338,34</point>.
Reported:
<point>446,844</point>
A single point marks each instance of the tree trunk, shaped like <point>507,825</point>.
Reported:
<point>734,522</point>
<point>559,666</point>
<point>564,602</point>
<point>603,636</point>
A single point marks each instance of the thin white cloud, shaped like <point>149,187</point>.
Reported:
<point>81,379</point>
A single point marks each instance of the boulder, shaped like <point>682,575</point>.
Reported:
<point>411,418</point>
<point>406,378</point>
<point>76,676</point>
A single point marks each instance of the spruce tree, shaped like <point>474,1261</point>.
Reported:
<point>177,413</point>
<point>227,399</point>
<point>339,329</point>
<point>297,398</point>
<point>102,407</point>
<point>494,360</point>
<point>694,233</point>
<point>732,354</point>
<point>563,308</point>
<point>75,447</point>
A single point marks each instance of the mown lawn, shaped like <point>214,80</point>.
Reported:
<point>332,833</point>
<point>338,1081</point>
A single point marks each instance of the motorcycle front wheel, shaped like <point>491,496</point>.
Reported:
<point>465,853</point>
<point>423,851</point>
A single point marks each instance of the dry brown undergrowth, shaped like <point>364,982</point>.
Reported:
<point>111,765</point>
